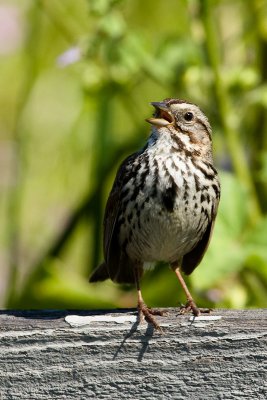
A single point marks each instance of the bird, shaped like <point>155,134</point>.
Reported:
<point>163,203</point>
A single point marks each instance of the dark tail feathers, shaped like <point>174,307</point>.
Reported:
<point>100,273</point>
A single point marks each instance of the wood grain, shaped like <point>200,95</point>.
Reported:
<point>43,357</point>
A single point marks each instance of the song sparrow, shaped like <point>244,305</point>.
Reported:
<point>163,203</point>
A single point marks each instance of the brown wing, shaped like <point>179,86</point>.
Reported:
<point>194,257</point>
<point>102,272</point>
<point>117,266</point>
<point>113,205</point>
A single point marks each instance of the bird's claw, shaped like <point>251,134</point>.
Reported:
<point>192,307</point>
<point>148,314</point>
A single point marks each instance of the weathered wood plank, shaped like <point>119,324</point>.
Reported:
<point>43,357</point>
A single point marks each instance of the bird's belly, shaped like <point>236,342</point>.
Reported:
<point>170,238</point>
<point>161,235</point>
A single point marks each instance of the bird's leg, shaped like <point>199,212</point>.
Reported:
<point>143,310</point>
<point>190,304</point>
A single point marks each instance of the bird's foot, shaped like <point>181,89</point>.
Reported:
<point>192,307</point>
<point>148,314</point>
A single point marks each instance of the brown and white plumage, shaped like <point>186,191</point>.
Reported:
<point>164,200</point>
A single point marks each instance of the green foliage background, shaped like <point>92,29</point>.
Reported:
<point>76,80</point>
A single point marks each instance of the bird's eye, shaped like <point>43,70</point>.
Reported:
<point>188,116</point>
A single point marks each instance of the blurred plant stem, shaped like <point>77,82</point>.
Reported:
<point>30,65</point>
<point>99,157</point>
<point>257,12</point>
<point>237,154</point>
<point>62,20</point>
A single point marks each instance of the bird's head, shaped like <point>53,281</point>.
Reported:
<point>183,121</point>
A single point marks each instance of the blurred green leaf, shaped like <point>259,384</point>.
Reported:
<point>256,240</point>
<point>112,25</point>
<point>101,7</point>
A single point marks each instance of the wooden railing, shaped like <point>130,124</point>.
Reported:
<point>44,355</point>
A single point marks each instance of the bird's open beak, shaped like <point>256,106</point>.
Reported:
<point>163,116</point>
